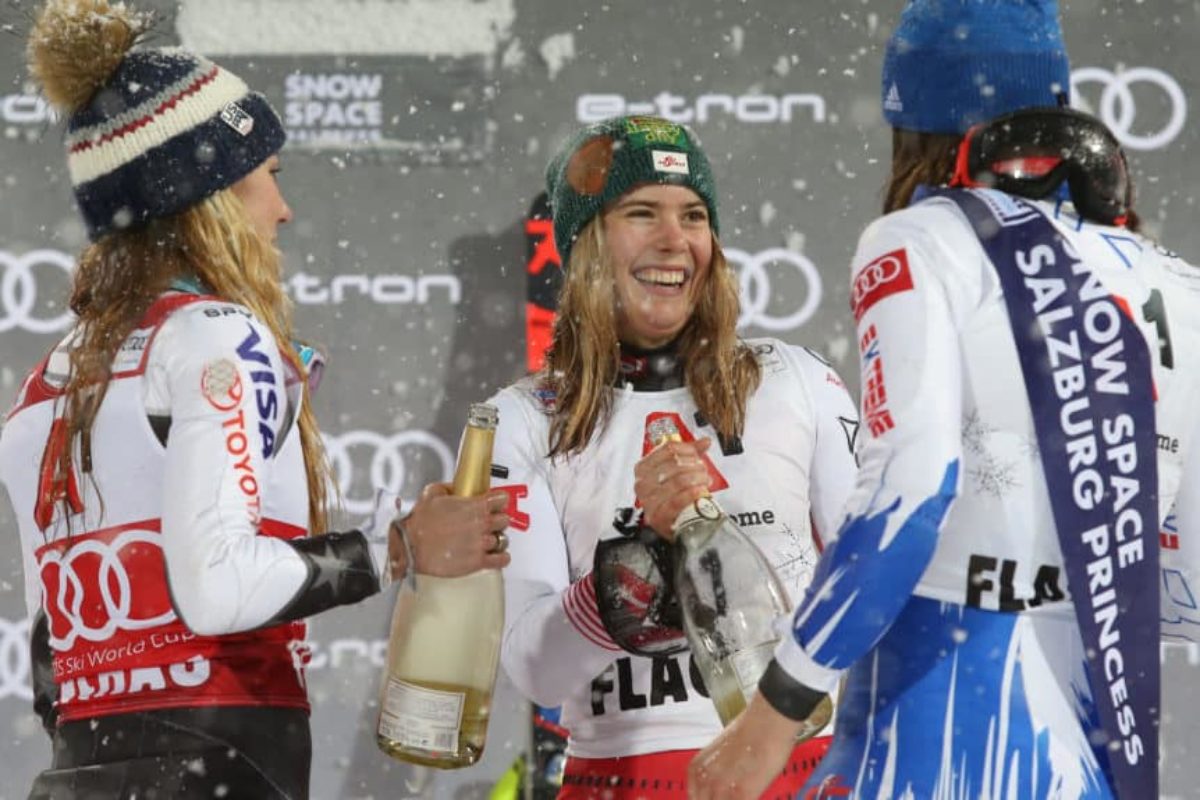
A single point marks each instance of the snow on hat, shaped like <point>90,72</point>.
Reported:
<point>953,63</point>
<point>152,131</point>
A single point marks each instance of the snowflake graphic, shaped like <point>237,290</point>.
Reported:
<point>1029,448</point>
<point>797,558</point>
<point>994,477</point>
<point>974,431</point>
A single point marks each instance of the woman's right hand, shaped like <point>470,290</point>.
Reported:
<point>454,536</point>
<point>668,479</point>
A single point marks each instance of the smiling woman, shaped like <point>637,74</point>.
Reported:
<point>661,247</point>
<point>646,329</point>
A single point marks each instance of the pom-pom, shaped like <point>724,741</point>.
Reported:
<point>76,46</point>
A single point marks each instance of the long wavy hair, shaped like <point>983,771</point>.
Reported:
<point>918,158</point>
<point>120,276</point>
<point>583,362</point>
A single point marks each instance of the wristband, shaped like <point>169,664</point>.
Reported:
<point>787,695</point>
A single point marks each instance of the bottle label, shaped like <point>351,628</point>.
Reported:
<point>415,716</point>
<point>750,664</point>
<point>703,509</point>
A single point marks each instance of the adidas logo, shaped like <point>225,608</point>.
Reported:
<point>893,102</point>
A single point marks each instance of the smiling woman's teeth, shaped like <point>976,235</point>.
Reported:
<point>662,277</point>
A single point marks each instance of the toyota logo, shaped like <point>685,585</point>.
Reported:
<point>755,282</point>
<point>89,594</point>
<point>18,291</point>
<point>14,660</point>
<point>401,463</point>
<point>1118,106</point>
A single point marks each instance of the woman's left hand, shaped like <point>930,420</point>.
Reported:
<point>668,479</point>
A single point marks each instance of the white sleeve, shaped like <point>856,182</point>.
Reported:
<point>911,407</point>
<point>224,378</point>
<point>1181,553</point>
<point>833,468</point>
<point>553,639</point>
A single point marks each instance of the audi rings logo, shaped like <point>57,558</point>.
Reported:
<point>876,274</point>
<point>364,462</point>
<point>757,276</point>
<point>14,660</point>
<point>1118,105</point>
<point>19,307</point>
<point>89,593</point>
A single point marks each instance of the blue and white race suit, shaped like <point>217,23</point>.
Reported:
<point>944,601</point>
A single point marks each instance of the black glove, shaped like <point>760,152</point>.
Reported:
<point>635,594</point>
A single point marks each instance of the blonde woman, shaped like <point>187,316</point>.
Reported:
<point>163,462</point>
<point>646,328</point>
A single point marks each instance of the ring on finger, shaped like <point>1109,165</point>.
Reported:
<point>501,543</point>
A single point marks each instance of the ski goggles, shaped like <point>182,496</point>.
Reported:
<point>1031,153</point>
<point>312,361</point>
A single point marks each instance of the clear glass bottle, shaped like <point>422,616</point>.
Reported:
<point>731,598</point>
<point>444,644</point>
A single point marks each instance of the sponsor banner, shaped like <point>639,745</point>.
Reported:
<point>307,289</point>
<point>1144,107</point>
<point>431,110</point>
<point>771,298</point>
<point>753,109</point>
<point>364,462</point>
<point>33,290</point>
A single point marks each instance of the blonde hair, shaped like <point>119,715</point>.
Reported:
<point>583,362</point>
<point>120,276</point>
<point>74,48</point>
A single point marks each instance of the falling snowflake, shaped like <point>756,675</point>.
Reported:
<point>994,477</point>
<point>974,431</point>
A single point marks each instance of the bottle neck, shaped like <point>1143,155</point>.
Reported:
<point>699,516</point>
<point>473,475</point>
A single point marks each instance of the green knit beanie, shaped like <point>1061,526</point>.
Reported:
<point>605,160</point>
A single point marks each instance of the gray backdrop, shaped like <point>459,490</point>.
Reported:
<point>420,129</point>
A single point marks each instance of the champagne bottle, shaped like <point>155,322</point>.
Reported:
<point>444,644</point>
<point>730,599</point>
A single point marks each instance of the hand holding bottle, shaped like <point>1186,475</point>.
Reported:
<point>668,479</point>
<point>444,645</point>
<point>452,536</point>
<point>743,760</point>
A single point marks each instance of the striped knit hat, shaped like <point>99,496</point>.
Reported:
<point>150,132</point>
<point>167,130</point>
